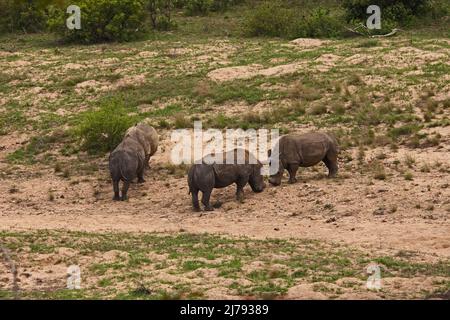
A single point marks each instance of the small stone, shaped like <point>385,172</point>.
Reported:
<point>329,220</point>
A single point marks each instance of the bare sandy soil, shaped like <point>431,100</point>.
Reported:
<point>390,215</point>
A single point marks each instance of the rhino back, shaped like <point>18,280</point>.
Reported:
<point>154,140</point>
<point>229,168</point>
<point>123,164</point>
<point>146,135</point>
<point>306,150</point>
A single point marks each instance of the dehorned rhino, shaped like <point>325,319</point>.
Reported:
<point>304,150</point>
<point>130,158</point>
<point>206,176</point>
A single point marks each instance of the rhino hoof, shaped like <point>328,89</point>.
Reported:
<point>116,198</point>
<point>209,208</point>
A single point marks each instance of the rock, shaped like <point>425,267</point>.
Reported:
<point>330,220</point>
<point>379,211</point>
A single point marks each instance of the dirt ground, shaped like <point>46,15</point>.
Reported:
<point>383,216</point>
<point>390,215</point>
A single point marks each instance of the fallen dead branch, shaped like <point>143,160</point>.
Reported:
<point>362,30</point>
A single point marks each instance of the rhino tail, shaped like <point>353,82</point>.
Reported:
<point>118,166</point>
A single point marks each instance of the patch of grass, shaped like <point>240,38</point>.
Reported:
<point>404,130</point>
<point>408,176</point>
<point>181,121</point>
<point>378,170</point>
<point>317,109</point>
<point>101,130</point>
<point>410,160</point>
<point>36,146</point>
<point>11,119</point>
<point>370,43</point>
<point>312,261</point>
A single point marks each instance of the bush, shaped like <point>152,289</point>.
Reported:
<point>198,7</point>
<point>321,24</point>
<point>160,12</point>
<point>102,130</point>
<point>272,19</point>
<point>102,20</point>
<point>25,15</point>
<point>394,13</point>
<point>399,10</point>
<point>202,7</point>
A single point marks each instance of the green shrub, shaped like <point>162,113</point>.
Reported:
<point>270,19</point>
<point>222,5</point>
<point>102,20</point>
<point>275,20</point>
<point>160,12</point>
<point>394,13</point>
<point>396,10</point>
<point>198,7</point>
<point>25,15</point>
<point>320,23</point>
<point>101,130</point>
<point>202,7</point>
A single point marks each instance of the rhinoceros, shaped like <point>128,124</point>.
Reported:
<point>206,176</point>
<point>304,150</point>
<point>130,158</point>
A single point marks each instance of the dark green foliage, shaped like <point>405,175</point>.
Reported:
<point>25,15</point>
<point>275,20</point>
<point>102,20</point>
<point>202,7</point>
<point>160,12</point>
<point>101,130</point>
<point>398,10</point>
<point>397,13</point>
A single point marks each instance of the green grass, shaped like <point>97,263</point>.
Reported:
<point>177,89</point>
<point>134,274</point>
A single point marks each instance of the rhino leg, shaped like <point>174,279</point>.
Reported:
<point>116,190</point>
<point>140,175</point>
<point>330,161</point>
<point>195,204</point>
<point>205,200</point>
<point>126,185</point>
<point>147,162</point>
<point>240,184</point>
<point>292,169</point>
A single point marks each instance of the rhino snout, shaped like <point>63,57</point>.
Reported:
<point>274,181</point>
<point>261,188</point>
